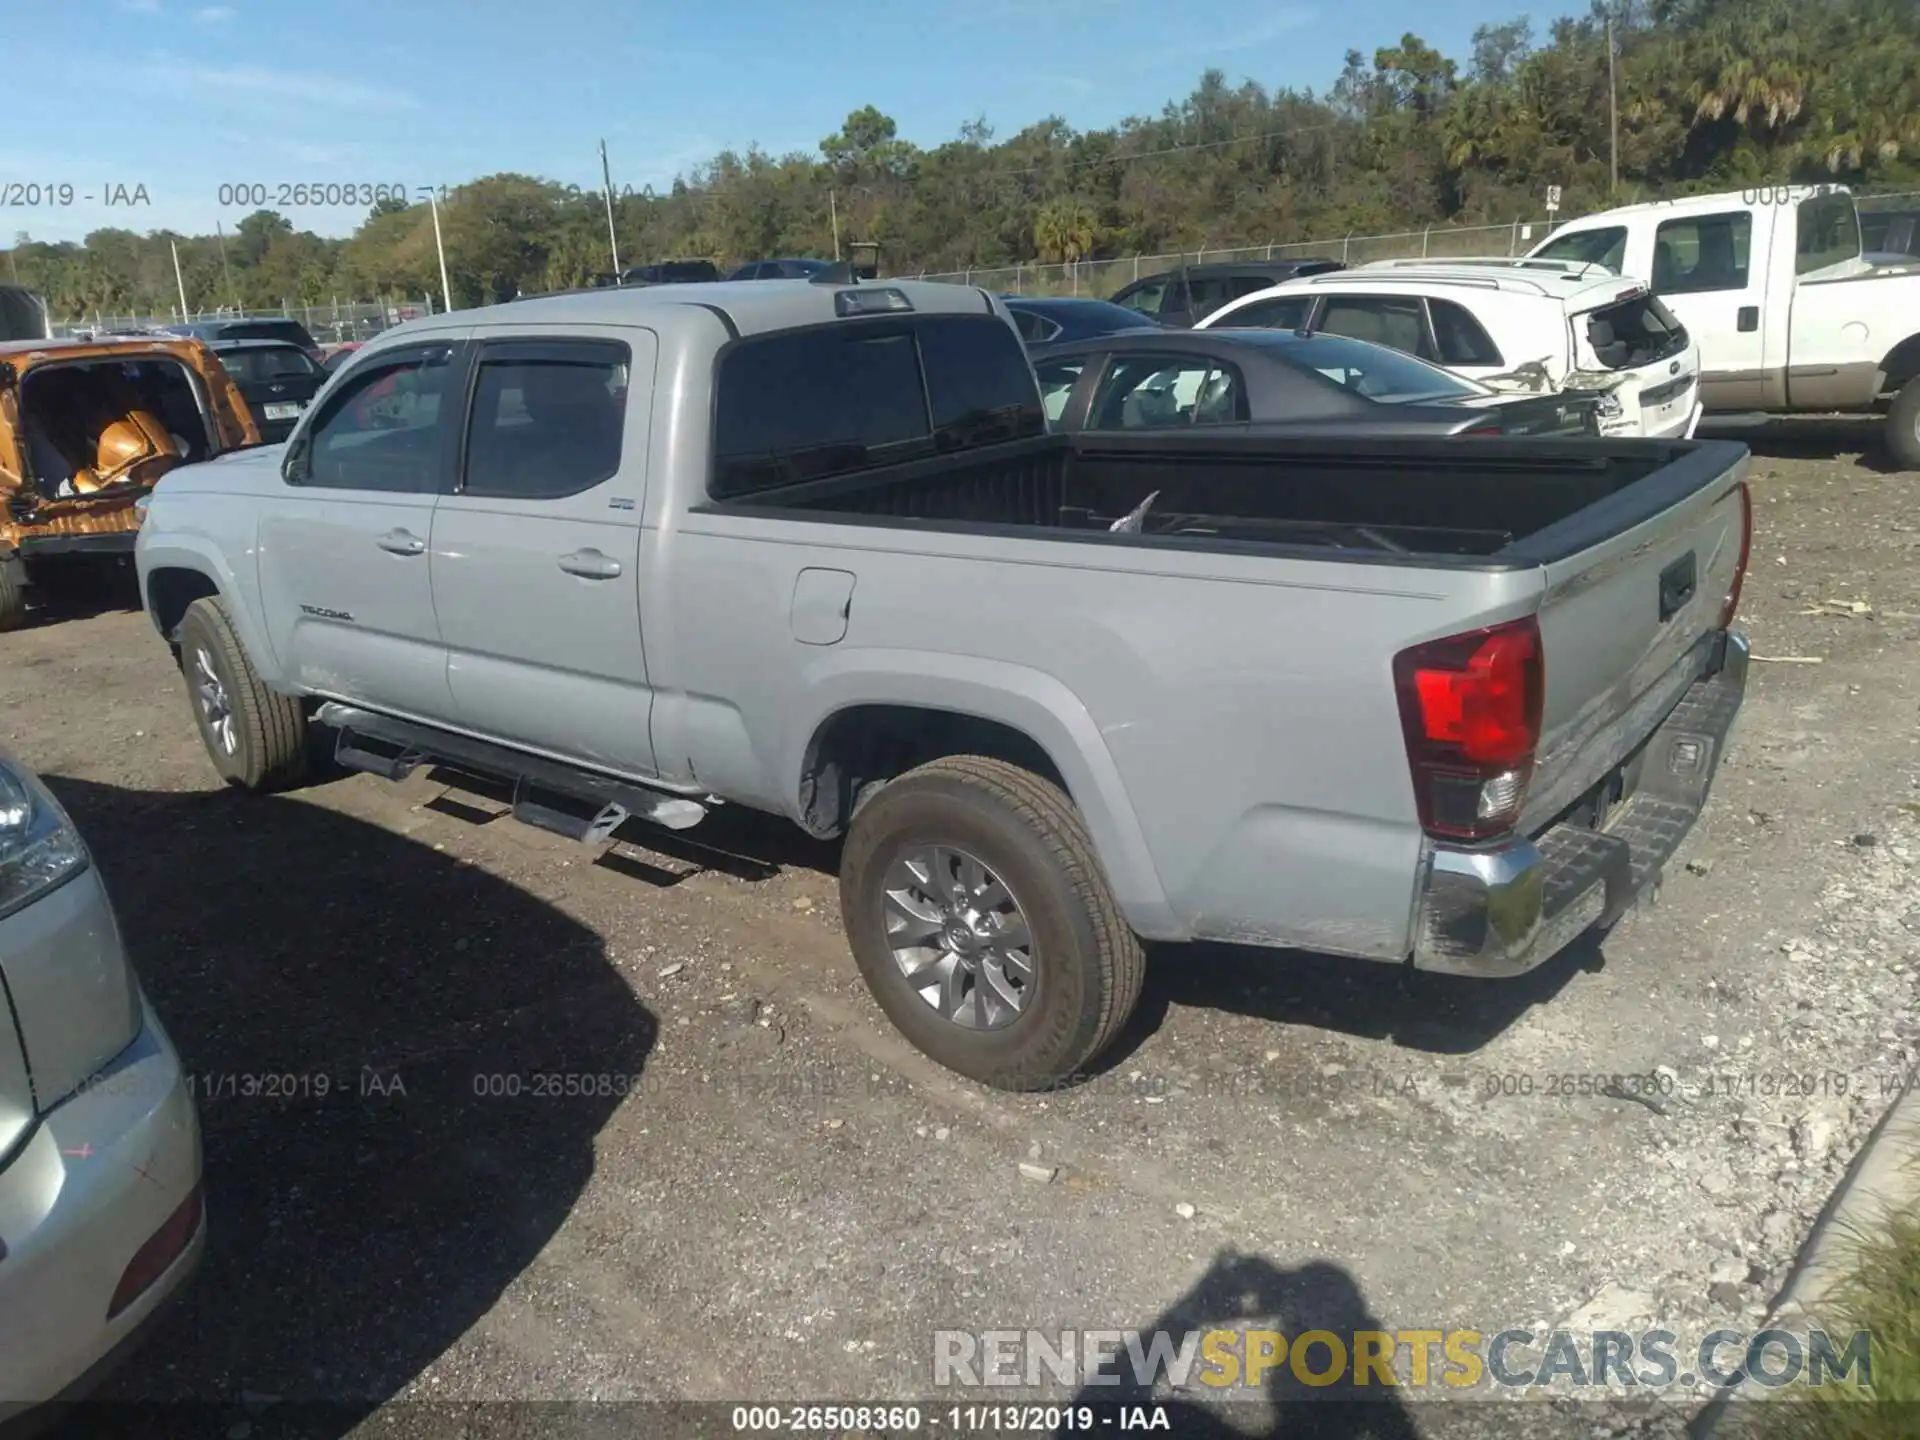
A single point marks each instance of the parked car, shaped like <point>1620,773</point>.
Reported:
<point>1528,326</point>
<point>812,549</point>
<point>1789,314</point>
<point>1185,296</point>
<point>86,428</point>
<point>101,1220</point>
<point>1048,320</point>
<point>1279,382</point>
<point>278,381</point>
<point>336,356</point>
<point>671,272</point>
<point>290,332</point>
<point>781,269</point>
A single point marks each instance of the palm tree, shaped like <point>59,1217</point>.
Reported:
<point>1066,229</point>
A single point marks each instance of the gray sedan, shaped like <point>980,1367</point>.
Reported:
<point>100,1203</point>
<point>1281,383</point>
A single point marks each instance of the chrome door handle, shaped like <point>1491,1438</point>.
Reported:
<point>590,564</point>
<point>401,542</point>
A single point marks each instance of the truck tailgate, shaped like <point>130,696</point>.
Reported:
<point>1626,621</point>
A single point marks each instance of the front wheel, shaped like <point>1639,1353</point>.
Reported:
<point>983,924</point>
<point>256,738</point>
<point>1903,426</point>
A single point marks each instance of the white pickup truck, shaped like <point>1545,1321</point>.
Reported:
<point>1772,285</point>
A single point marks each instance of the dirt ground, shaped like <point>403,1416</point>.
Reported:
<point>754,1190</point>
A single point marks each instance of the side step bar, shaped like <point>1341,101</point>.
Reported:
<point>406,746</point>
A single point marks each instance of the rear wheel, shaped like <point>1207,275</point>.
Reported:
<point>1903,426</point>
<point>256,738</point>
<point>13,594</point>
<point>979,916</point>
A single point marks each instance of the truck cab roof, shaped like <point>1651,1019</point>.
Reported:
<point>1709,204</point>
<point>746,307</point>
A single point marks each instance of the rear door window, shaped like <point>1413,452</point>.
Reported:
<point>1462,339</point>
<point>1156,392</point>
<point>836,399</point>
<point>1827,232</point>
<point>1057,379</point>
<point>1396,321</point>
<point>1283,312</point>
<point>1208,294</point>
<point>1702,253</point>
<point>1145,297</point>
<point>547,418</point>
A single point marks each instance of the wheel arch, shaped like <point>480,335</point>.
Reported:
<point>876,716</point>
<point>1902,363</point>
<point>174,575</point>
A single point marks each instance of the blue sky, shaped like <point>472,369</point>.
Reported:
<point>182,96</point>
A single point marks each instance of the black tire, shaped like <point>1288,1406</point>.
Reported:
<point>1903,426</point>
<point>1088,964</point>
<point>268,730</point>
<point>13,595</point>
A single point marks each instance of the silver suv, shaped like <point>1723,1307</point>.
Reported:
<point>100,1201</point>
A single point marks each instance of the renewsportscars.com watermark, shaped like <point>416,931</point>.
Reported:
<point>1443,1361</point>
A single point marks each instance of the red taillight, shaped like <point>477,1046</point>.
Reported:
<point>1470,708</point>
<point>156,1257</point>
<point>1746,552</point>
<point>1484,430</point>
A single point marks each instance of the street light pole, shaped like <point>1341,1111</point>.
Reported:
<point>613,240</point>
<point>440,246</point>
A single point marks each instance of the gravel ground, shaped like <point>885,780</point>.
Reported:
<point>754,1189</point>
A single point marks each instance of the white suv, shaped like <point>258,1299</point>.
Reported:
<point>1521,325</point>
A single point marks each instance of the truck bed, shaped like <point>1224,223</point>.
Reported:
<point>1480,503</point>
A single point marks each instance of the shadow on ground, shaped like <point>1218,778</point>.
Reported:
<point>1440,1014</point>
<point>1249,1292</point>
<point>1436,1013</point>
<point>1858,438</point>
<point>75,589</point>
<point>355,1234</point>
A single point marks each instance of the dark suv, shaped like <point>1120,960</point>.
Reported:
<point>1186,296</point>
<point>671,272</point>
<point>781,269</point>
<point>290,332</point>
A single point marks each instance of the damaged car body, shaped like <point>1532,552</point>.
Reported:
<point>86,430</point>
<point>1528,327</point>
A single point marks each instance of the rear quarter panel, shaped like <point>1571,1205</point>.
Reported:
<point>1227,723</point>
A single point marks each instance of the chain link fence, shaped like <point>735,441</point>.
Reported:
<point>328,324</point>
<point>1101,278</point>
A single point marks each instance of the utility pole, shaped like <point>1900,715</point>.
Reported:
<point>1613,113</point>
<point>613,240</point>
<point>180,281</point>
<point>833,210</point>
<point>232,299</point>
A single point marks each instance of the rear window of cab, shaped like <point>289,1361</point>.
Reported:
<point>851,395</point>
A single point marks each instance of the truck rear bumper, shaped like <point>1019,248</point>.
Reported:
<point>1503,910</point>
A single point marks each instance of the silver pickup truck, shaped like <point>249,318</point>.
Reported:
<point>809,547</point>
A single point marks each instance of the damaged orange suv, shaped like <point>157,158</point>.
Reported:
<point>87,427</point>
